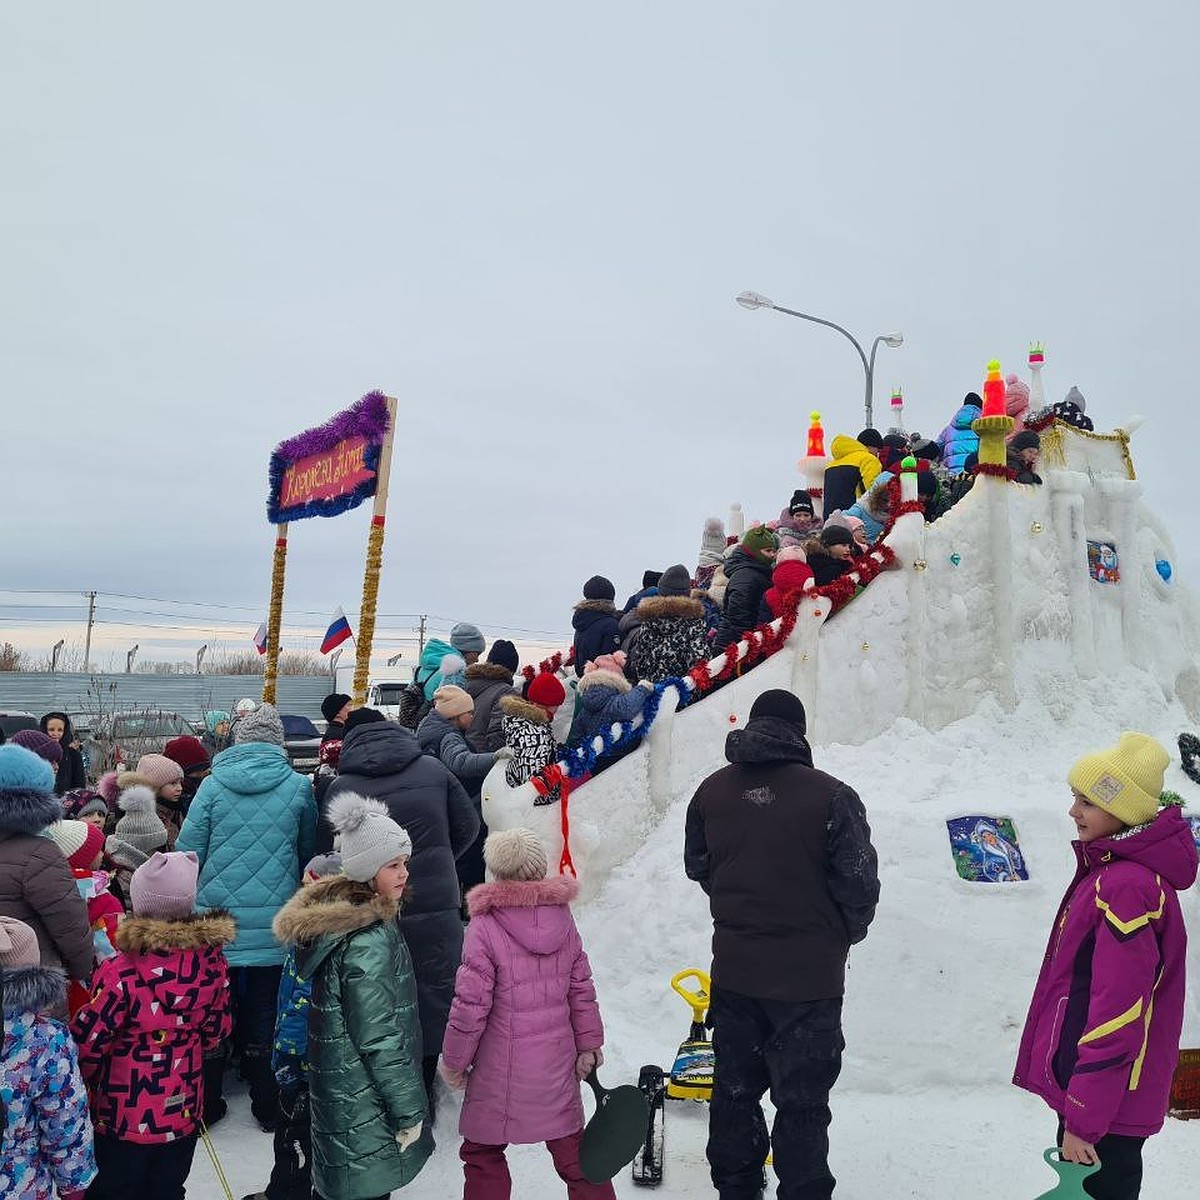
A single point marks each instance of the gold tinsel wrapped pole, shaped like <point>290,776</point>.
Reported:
<point>370,598</point>
<point>275,614</point>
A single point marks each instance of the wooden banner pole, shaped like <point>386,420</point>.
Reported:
<point>275,614</point>
<point>370,598</point>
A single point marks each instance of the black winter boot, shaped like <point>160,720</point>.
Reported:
<point>264,1091</point>
<point>214,1087</point>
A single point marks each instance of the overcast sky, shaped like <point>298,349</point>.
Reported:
<point>223,223</point>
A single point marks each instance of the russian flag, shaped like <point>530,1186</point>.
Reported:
<point>337,633</point>
<point>260,638</point>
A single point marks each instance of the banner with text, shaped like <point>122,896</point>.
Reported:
<point>331,469</point>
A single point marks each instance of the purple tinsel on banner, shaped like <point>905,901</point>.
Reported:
<point>366,418</point>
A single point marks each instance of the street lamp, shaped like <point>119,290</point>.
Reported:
<point>391,662</point>
<point>55,651</point>
<point>200,658</point>
<point>129,660</point>
<point>753,300</point>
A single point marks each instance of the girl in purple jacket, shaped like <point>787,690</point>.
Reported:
<point>524,1027</point>
<point>1102,1037</point>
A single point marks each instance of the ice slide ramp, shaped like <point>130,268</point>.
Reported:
<point>1071,570</point>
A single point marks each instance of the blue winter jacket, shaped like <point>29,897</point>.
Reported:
<point>602,704</point>
<point>958,439</point>
<point>597,631</point>
<point>253,825</point>
<point>429,668</point>
<point>444,740</point>
<point>289,1054</point>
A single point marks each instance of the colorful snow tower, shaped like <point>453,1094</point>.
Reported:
<point>986,850</point>
<point>1103,563</point>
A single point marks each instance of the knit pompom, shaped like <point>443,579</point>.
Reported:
<point>108,787</point>
<point>348,811</point>
<point>138,798</point>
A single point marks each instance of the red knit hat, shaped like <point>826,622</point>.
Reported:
<point>546,690</point>
<point>189,753</point>
<point>79,841</point>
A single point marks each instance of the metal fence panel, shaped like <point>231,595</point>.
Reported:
<point>189,695</point>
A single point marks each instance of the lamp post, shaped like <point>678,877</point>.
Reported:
<point>200,658</point>
<point>129,660</point>
<point>55,651</point>
<point>754,300</point>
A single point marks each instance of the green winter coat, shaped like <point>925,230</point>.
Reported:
<point>364,1038</point>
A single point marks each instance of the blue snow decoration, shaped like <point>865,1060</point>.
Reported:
<point>1164,569</point>
<point>986,849</point>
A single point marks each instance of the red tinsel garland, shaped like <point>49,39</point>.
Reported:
<point>551,665</point>
<point>997,470</point>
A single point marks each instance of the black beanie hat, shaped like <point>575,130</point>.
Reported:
<point>599,588</point>
<point>836,535</point>
<point>784,706</point>
<point>675,581</point>
<point>1027,439</point>
<point>650,579</point>
<point>974,399</point>
<point>801,502</point>
<point>363,716</point>
<point>504,654</point>
<point>928,450</point>
<point>870,437</point>
<point>333,704</point>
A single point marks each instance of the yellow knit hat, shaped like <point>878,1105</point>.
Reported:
<point>1125,781</point>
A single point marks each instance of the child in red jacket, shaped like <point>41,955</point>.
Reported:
<point>155,1008</point>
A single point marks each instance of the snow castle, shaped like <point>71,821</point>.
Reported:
<point>1073,576</point>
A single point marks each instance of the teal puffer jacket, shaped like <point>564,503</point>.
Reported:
<point>364,1038</point>
<point>253,825</point>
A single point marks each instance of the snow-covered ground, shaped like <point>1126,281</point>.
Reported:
<point>936,995</point>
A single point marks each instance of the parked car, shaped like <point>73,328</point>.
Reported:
<point>14,720</point>
<point>118,740</point>
<point>302,741</point>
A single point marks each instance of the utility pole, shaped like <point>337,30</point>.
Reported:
<point>87,646</point>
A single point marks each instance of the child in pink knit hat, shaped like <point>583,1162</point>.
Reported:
<point>606,698</point>
<point>155,1008</point>
<point>164,777</point>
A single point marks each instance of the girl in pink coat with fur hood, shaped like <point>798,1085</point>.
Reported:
<point>524,1027</point>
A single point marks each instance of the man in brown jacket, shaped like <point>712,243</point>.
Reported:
<point>36,884</point>
<point>784,852</point>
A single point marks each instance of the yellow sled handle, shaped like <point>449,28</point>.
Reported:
<point>695,997</point>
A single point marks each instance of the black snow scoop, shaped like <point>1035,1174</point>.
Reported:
<point>615,1133</point>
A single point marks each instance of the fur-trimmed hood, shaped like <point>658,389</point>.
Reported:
<point>23,810</point>
<point>603,678</point>
<point>145,935</point>
<point>536,915</point>
<point>332,907</point>
<point>514,893</point>
<point>33,989</point>
<point>655,608</point>
<point>514,706</point>
<point>493,672</point>
<point>604,607</point>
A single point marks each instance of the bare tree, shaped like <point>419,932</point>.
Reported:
<point>11,659</point>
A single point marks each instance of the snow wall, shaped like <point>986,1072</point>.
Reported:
<point>963,682</point>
